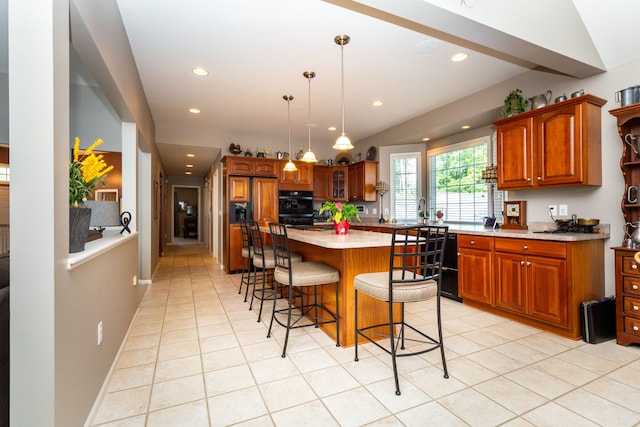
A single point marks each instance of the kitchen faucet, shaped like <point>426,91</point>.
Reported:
<point>422,204</point>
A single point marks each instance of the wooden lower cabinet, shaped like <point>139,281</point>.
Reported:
<point>538,282</point>
<point>475,268</point>
<point>627,297</point>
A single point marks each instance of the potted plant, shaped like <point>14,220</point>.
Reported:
<point>424,216</point>
<point>341,215</point>
<point>514,103</point>
<point>85,172</point>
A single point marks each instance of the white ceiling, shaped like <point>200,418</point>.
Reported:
<point>256,52</point>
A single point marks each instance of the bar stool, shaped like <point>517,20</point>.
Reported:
<point>296,276</point>
<point>247,259</point>
<point>264,261</point>
<point>415,266</point>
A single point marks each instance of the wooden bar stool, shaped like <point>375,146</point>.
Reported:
<point>414,275</point>
<point>296,276</point>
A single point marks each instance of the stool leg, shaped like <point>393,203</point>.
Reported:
<point>393,348</point>
<point>356,328</point>
<point>286,336</point>
<point>337,319</point>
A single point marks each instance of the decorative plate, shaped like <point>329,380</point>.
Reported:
<point>372,153</point>
<point>343,159</point>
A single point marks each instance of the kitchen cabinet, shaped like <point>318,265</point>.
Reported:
<point>362,179</point>
<point>536,281</point>
<point>531,279</point>
<point>239,188</point>
<point>250,166</point>
<point>554,146</point>
<point>627,297</point>
<point>299,180</point>
<point>475,268</point>
<point>330,183</point>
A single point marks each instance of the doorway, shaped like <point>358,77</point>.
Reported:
<point>186,223</point>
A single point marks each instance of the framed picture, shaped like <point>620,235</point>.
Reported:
<point>109,195</point>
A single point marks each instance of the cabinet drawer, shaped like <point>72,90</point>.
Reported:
<point>474,242</point>
<point>631,306</point>
<point>631,285</point>
<point>532,247</point>
<point>629,266</point>
<point>632,326</point>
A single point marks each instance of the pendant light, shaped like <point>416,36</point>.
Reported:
<point>309,157</point>
<point>289,167</point>
<point>342,143</point>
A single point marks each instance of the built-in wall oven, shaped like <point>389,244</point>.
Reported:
<point>295,207</point>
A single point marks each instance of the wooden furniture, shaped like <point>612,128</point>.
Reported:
<point>190,227</point>
<point>331,183</point>
<point>321,183</point>
<point>241,185</point>
<point>362,252</point>
<point>538,282</point>
<point>299,180</point>
<point>475,268</point>
<point>626,269</point>
<point>627,296</point>
<point>554,146</point>
<point>362,179</point>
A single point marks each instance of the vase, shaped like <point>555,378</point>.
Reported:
<point>341,227</point>
<point>79,219</point>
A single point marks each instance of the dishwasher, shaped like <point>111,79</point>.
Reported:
<point>449,282</point>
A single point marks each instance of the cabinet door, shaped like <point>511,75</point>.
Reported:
<point>356,182</point>
<point>321,183</point>
<point>265,167</point>
<point>265,199</point>
<point>239,166</point>
<point>474,274</point>
<point>339,184</point>
<point>559,142</point>
<point>239,189</point>
<point>511,284</point>
<point>515,154</point>
<point>301,179</point>
<point>234,257</point>
<point>547,290</point>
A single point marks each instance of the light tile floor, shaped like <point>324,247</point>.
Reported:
<point>195,356</point>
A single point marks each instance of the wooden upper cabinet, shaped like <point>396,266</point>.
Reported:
<point>362,179</point>
<point>321,184</point>
<point>330,183</point>
<point>239,189</point>
<point>554,146</point>
<point>265,199</point>
<point>250,166</point>
<point>298,180</point>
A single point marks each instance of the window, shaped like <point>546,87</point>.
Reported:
<point>405,186</point>
<point>455,182</point>
<point>4,173</point>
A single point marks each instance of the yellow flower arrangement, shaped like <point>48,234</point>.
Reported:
<point>85,172</point>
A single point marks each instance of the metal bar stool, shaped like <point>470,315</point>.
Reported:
<point>414,275</point>
<point>247,260</point>
<point>264,262</point>
<point>296,276</point>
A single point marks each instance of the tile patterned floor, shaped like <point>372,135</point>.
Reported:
<point>195,356</point>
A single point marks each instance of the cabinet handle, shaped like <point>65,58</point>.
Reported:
<point>635,328</point>
<point>473,242</point>
<point>528,179</point>
<point>539,178</point>
<point>525,247</point>
<point>634,267</point>
<point>458,253</point>
<point>636,308</point>
<point>635,287</point>
<point>528,263</point>
<point>521,262</point>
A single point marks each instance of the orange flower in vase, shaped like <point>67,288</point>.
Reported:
<point>341,215</point>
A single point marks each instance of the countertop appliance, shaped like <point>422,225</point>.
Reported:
<point>295,207</point>
<point>449,283</point>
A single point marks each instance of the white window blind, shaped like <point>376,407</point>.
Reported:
<point>405,186</point>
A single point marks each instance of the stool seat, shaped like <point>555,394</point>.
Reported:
<point>377,286</point>
<point>307,273</point>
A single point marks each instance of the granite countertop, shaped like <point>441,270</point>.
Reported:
<point>601,232</point>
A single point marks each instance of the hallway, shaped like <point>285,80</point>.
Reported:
<point>195,356</point>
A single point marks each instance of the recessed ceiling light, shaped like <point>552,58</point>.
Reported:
<point>465,126</point>
<point>199,71</point>
<point>190,155</point>
<point>459,57</point>
<point>426,139</point>
<point>377,103</point>
<point>331,128</point>
<point>187,173</point>
<point>189,166</point>
<point>194,110</point>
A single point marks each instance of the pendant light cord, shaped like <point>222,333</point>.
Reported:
<point>342,80</point>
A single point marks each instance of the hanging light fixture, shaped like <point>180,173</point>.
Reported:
<point>342,143</point>
<point>289,167</point>
<point>309,157</point>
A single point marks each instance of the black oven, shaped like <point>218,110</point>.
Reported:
<point>295,207</point>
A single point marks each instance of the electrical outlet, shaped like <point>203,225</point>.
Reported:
<point>375,211</point>
<point>100,332</point>
<point>563,210</point>
<point>553,210</point>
